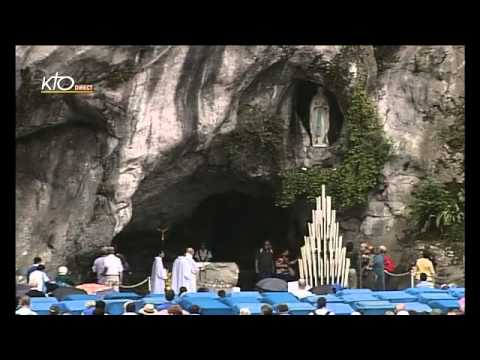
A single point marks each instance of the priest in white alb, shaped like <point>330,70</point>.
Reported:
<point>184,272</point>
<point>159,275</point>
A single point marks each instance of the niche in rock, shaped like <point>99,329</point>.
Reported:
<point>319,113</point>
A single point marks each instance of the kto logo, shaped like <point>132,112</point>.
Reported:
<point>64,85</point>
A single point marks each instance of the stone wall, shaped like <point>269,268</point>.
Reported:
<point>148,150</point>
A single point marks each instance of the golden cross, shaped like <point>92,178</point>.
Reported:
<point>163,231</point>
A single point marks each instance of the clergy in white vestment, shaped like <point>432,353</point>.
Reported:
<point>184,272</point>
<point>159,275</point>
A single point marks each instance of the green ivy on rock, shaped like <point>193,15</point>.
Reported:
<point>364,154</point>
<point>439,207</point>
<point>259,131</point>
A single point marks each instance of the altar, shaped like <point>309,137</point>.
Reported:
<point>217,275</point>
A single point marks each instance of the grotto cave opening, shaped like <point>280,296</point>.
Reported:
<point>233,224</point>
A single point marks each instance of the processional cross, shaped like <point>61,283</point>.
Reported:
<point>163,231</point>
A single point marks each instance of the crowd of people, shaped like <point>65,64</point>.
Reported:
<point>370,268</point>
<point>171,306</point>
<point>40,284</point>
<point>269,265</point>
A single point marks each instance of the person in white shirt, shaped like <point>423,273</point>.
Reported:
<point>113,270</point>
<point>25,307</point>
<point>98,266</point>
<point>423,282</point>
<point>322,308</point>
<point>38,279</point>
<point>245,311</point>
<point>401,309</point>
<point>302,291</point>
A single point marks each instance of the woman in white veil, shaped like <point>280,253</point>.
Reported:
<point>159,275</point>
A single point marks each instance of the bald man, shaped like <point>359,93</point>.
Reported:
<point>184,272</point>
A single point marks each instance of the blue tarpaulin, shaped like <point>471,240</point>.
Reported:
<point>255,308</point>
<point>373,307</point>
<point>416,306</point>
<point>243,294</point>
<point>233,301</point>
<point>279,297</point>
<point>395,296</point>
<point>354,292</point>
<point>428,297</point>
<point>350,299</point>
<point>329,297</point>
<point>300,308</point>
<point>208,306</point>
<point>340,308</point>
<point>444,305</point>
<point>417,291</point>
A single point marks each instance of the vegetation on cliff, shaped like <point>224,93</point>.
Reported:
<point>364,154</point>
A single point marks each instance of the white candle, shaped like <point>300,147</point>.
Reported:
<point>300,268</point>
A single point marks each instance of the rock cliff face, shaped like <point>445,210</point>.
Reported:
<point>148,146</point>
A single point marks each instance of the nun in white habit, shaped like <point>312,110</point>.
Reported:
<point>159,275</point>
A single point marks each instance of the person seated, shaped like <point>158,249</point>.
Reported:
<point>302,291</point>
<point>54,310</point>
<point>148,309</point>
<point>182,291</point>
<point>424,283</point>
<point>24,304</point>
<point>322,308</point>
<point>89,307</point>
<point>194,310</point>
<point>62,278</point>
<point>401,309</point>
<point>282,309</point>
<point>176,310</point>
<point>245,311</point>
<point>266,309</point>
<point>129,308</point>
<point>164,307</point>
<point>100,307</point>
<point>461,304</point>
<point>169,297</point>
